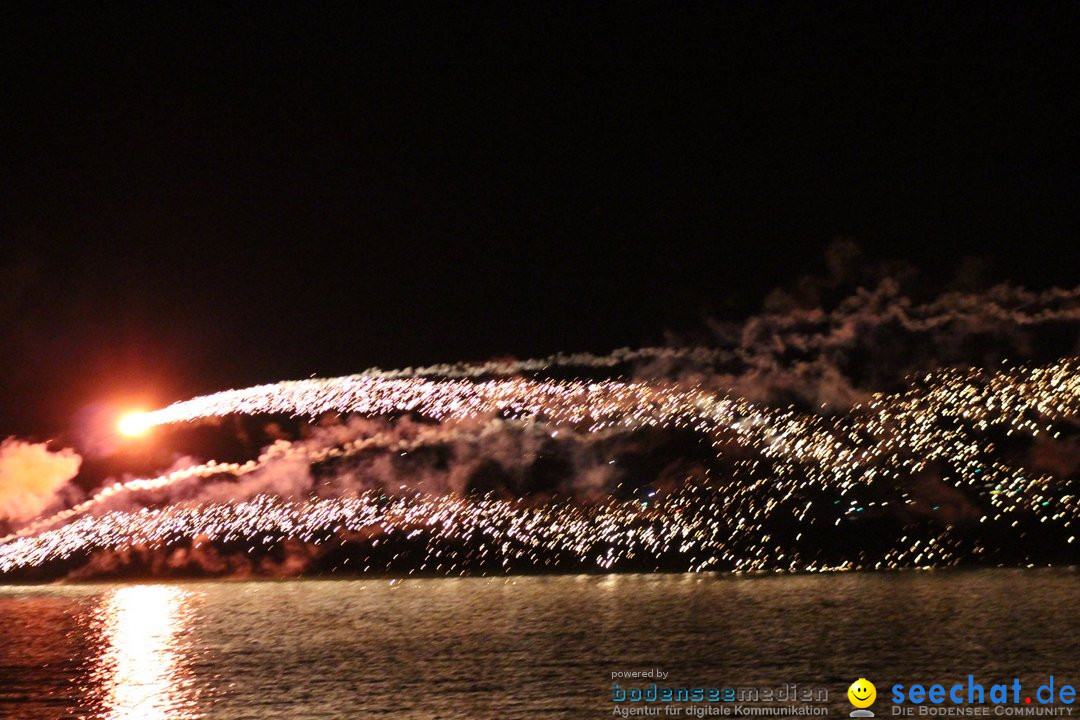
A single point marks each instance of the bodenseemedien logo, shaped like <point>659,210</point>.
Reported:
<point>862,694</point>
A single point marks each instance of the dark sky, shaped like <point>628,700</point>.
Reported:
<point>192,199</point>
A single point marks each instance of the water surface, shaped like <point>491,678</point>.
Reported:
<point>527,647</point>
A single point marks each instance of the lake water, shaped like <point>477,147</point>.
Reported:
<point>527,647</point>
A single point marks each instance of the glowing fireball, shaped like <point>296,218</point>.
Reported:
<point>134,424</point>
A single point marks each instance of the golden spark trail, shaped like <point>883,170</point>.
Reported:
<point>809,471</point>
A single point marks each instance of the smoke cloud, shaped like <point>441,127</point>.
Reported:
<point>31,478</point>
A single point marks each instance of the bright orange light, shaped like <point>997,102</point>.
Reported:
<point>134,424</point>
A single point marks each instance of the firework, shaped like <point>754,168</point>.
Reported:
<point>800,477</point>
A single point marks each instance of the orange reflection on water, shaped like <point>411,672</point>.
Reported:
<point>142,670</point>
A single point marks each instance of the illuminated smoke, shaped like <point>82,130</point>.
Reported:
<point>31,475</point>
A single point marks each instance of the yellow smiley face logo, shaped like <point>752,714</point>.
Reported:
<point>862,693</point>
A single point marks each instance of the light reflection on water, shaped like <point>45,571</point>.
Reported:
<point>142,671</point>
<point>518,648</point>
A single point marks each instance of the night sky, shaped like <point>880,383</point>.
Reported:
<point>194,200</point>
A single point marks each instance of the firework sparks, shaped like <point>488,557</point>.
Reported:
<point>801,475</point>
